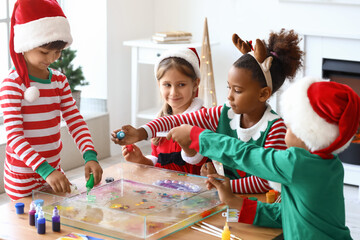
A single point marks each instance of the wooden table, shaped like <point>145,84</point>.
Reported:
<point>14,226</point>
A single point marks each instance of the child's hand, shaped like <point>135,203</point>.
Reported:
<point>207,168</point>
<point>132,135</point>
<point>94,168</point>
<point>188,151</point>
<point>135,155</point>
<point>58,182</point>
<point>224,190</point>
<point>181,135</point>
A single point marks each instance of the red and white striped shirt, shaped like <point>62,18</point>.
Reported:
<point>209,119</point>
<point>33,129</point>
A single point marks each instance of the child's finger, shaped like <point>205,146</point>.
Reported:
<point>210,167</point>
<point>124,151</point>
<point>87,173</point>
<point>67,187</point>
<point>97,177</point>
<point>214,182</point>
<point>169,135</point>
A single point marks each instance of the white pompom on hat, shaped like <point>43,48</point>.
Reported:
<point>188,54</point>
<point>33,24</point>
<point>324,115</point>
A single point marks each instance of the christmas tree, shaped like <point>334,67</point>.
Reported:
<point>64,64</point>
<point>207,84</point>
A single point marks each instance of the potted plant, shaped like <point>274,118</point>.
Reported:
<point>75,76</point>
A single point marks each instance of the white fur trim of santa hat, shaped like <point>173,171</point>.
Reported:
<point>185,53</point>
<point>301,118</point>
<point>42,31</point>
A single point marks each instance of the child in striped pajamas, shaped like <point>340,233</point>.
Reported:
<point>246,115</point>
<point>34,98</point>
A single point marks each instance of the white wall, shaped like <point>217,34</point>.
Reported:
<point>250,19</point>
<point>88,28</point>
<point>127,20</point>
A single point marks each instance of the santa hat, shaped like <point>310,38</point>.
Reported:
<point>324,115</point>
<point>188,54</point>
<point>33,24</point>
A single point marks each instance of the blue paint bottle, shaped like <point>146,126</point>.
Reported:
<point>41,223</point>
<point>38,209</point>
<point>32,212</point>
<point>56,220</point>
<point>19,208</point>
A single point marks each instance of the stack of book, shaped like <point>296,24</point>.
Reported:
<point>172,37</point>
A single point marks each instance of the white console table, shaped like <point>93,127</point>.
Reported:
<point>144,51</point>
<point>351,175</point>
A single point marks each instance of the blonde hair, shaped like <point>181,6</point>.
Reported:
<point>183,67</point>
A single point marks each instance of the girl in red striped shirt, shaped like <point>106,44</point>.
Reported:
<point>178,74</point>
<point>246,115</point>
<point>34,98</point>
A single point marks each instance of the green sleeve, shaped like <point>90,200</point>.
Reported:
<point>44,170</point>
<point>268,215</point>
<point>90,156</point>
<point>270,164</point>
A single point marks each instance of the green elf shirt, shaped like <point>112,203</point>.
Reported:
<point>312,205</point>
<point>229,124</point>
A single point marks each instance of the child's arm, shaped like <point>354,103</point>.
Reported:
<point>276,136</point>
<point>225,194</point>
<point>205,118</point>
<point>276,140</point>
<point>270,164</point>
<point>78,128</point>
<point>251,212</point>
<point>79,131</point>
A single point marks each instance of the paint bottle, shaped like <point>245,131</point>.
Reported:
<point>56,220</point>
<point>19,207</point>
<point>90,183</point>
<point>226,232</point>
<point>41,223</point>
<point>120,135</point>
<point>38,209</point>
<point>32,212</point>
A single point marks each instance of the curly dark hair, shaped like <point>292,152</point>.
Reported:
<point>287,59</point>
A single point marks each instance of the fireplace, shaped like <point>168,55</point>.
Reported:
<point>345,72</point>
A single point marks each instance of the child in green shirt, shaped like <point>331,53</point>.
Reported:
<point>322,118</point>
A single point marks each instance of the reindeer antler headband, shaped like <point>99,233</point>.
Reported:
<point>259,55</point>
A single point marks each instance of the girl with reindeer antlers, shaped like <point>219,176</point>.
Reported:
<point>252,79</point>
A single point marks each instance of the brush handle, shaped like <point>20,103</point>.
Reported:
<point>199,176</point>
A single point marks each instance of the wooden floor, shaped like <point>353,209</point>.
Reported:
<point>352,200</point>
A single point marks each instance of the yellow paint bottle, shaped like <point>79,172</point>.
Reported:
<point>226,232</point>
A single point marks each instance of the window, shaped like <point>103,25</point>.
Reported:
<point>6,8</point>
<point>91,55</point>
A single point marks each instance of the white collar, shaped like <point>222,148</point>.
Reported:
<point>195,105</point>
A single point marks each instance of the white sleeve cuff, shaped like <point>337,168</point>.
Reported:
<point>152,158</point>
<point>148,131</point>
<point>192,160</point>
